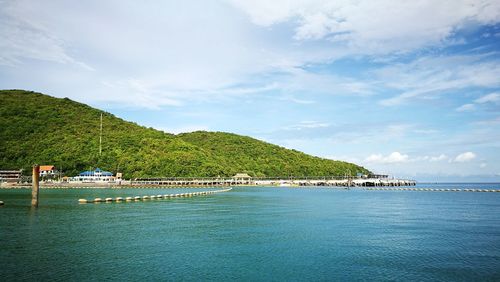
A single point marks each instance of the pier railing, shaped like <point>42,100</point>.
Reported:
<point>334,180</point>
<point>274,181</point>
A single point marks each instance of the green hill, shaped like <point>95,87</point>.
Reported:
<point>37,128</point>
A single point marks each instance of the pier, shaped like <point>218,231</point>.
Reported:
<point>237,180</point>
<point>336,181</point>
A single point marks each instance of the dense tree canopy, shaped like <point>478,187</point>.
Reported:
<point>36,128</point>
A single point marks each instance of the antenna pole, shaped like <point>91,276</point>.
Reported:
<point>100,138</point>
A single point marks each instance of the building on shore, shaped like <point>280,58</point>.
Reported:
<point>242,178</point>
<point>378,176</point>
<point>11,176</point>
<point>48,172</point>
<point>96,175</point>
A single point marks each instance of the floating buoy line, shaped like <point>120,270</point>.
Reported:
<point>204,193</point>
<point>430,189</point>
<point>151,197</point>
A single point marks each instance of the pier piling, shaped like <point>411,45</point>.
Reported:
<point>35,186</point>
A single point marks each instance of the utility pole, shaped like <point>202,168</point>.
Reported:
<point>100,138</point>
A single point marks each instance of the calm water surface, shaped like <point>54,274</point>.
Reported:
<point>265,234</point>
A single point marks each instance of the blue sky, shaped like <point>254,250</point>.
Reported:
<point>408,88</point>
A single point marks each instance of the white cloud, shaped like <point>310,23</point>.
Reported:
<point>297,101</point>
<point>466,108</point>
<point>296,80</point>
<point>192,51</point>
<point>426,131</point>
<point>394,157</point>
<point>483,165</point>
<point>406,25</point>
<point>206,51</point>
<point>307,124</point>
<point>489,122</point>
<point>465,157</point>
<point>490,98</point>
<point>438,158</point>
<point>138,94</point>
<point>397,130</point>
<point>430,77</point>
<point>23,38</point>
<point>441,157</point>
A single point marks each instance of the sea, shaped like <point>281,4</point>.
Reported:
<point>253,234</point>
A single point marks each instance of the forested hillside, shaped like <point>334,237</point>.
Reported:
<point>36,128</point>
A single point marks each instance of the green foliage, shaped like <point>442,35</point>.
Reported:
<point>36,128</point>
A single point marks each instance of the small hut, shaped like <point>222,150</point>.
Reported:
<point>242,176</point>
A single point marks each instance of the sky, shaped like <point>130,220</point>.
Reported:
<point>406,88</point>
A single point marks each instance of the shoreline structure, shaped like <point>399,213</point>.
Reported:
<point>224,182</point>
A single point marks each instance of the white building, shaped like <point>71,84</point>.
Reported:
<point>48,170</point>
<point>96,175</point>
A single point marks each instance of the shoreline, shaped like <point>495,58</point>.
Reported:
<point>345,183</point>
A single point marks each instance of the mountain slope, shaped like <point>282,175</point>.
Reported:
<point>37,128</point>
<point>263,159</point>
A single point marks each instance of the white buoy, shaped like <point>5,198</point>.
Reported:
<point>137,198</point>
<point>152,197</point>
<point>118,199</point>
<point>145,197</point>
<point>159,196</point>
<point>128,199</point>
<point>109,200</point>
<point>97,200</point>
<point>80,201</point>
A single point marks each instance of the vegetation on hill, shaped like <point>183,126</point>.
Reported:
<point>259,158</point>
<point>37,128</point>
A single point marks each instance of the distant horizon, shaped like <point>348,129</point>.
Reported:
<point>412,92</point>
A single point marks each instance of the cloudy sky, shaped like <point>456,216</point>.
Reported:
<point>409,88</point>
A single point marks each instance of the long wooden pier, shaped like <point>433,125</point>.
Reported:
<point>309,181</point>
<point>338,181</point>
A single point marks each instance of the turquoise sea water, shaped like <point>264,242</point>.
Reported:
<point>253,234</point>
